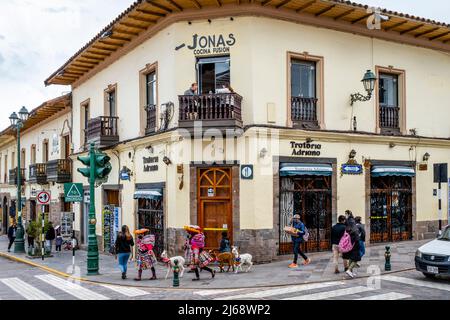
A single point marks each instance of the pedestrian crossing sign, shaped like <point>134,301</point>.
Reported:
<point>73,192</point>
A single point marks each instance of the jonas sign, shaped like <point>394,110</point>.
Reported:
<point>210,44</point>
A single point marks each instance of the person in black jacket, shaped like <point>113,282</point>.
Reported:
<point>225,245</point>
<point>337,231</point>
<point>50,235</point>
<point>353,255</point>
<point>12,235</point>
<point>362,236</point>
<point>123,245</point>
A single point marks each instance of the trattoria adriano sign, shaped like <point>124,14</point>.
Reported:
<point>305,149</point>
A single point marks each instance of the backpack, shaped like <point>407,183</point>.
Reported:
<point>198,240</point>
<point>345,244</point>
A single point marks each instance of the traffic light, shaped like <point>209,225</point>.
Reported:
<point>86,172</point>
<point>102,167</point>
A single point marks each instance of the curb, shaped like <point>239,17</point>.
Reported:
<point>66,275</point>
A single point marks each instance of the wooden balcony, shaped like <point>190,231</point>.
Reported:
<point>389,119</point>
<point>59,171</point>
<point>38,173</point>
<point>304,113</point>
<point>103,131</point>
<point>13,176</point>
<point>151,119</point>
<point>221,111</point>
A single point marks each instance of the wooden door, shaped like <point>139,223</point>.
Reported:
<point>214,196</point>
<point>112,197</point>
<point>66,146</point>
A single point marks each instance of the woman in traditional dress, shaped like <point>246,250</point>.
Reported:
<point>145,257</point>
<point>198,258</point>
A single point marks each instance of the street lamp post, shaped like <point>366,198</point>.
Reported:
<point>17,123</point>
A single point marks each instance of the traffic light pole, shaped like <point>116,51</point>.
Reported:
<point>92,255</point>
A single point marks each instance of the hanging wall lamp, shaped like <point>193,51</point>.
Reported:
<point>369,85</point>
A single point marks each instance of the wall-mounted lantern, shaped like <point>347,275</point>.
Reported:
<point>369,85</point>
<point>426,156</point>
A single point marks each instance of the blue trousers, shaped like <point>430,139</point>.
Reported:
<point>298,251</point>
<point>362,248</point>
<point>123,261</point>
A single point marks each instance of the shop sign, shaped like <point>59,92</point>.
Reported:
<point>210,44</point>
<point>305,149</point>
<point>211,192</point>
<point>351,169</point>
<point>247,172</point>
<point>151,164</point>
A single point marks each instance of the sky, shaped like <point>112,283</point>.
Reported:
<point>39,36</point>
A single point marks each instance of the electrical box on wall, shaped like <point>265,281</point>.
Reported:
<point>271,113</point>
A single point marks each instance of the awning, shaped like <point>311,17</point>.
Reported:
<point>302,169</point>
<point>383,171</point>
<point>154,194</point>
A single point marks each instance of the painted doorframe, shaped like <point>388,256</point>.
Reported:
<point>235,193</point>
<point>368,175</point>
<point>276,188</point>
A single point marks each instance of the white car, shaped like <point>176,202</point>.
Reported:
<point>433,258</point>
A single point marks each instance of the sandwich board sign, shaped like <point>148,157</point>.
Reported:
<point>73,192</point>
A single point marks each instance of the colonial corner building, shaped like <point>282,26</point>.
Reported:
<point>288,121</point>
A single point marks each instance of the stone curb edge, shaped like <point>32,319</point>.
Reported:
<point>66,275</point>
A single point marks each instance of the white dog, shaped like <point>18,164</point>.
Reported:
<point>241,259</point>
<point>171,263</point>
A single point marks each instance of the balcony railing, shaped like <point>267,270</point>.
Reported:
<point>304,112</point>
<point>222,110</point>
<point>389,119</point>
<point>13,176</point>
<point>103,131</point>
<point>59,171</point>
<point>151,119</point>
<point>38,173</point>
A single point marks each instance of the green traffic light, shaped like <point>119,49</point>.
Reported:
<point>102,159</point>
<point>85,160</point>
<point>103,172</point>
<point>86,172</point>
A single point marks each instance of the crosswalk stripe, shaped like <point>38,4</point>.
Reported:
<point>276,292</point>
<point>331,294</point>
<point>26,290</point>
<point>127,291</point>
<point>387,296</point>
<point>414,282</point>
<point>214,292</point>
<point>71,288</point>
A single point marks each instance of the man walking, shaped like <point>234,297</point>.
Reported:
<point>337,231</point>
<point>12,235</point>
<point>297,240</point>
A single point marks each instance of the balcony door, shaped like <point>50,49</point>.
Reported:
<point>213,73</point>
<point>389,103</point>
<point>45,151</point>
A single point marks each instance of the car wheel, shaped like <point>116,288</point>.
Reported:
<point>429,275</point>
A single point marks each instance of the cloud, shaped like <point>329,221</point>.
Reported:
<point>57,10</point>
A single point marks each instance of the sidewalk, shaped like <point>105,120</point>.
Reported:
<point>272,274</point>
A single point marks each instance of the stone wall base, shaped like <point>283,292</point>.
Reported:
<point>427,229</point>
<point>175,241</point>
<point>262,244</point>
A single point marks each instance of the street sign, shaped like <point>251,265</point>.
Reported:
<point>247,172</point>
<point>73,192</point>
<point>351,169</point>
<point>43,197</point>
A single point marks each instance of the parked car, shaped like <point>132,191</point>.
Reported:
<point>433,258</point>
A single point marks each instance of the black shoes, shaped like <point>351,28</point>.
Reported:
<point>124,275</point>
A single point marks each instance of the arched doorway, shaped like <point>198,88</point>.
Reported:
<point>214,203</point>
